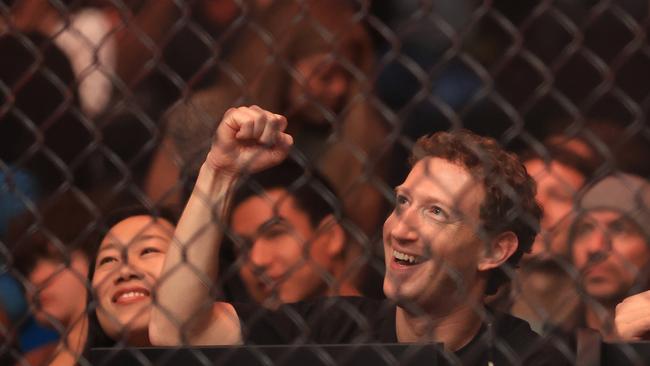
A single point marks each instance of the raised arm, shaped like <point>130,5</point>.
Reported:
<point>248,139</point>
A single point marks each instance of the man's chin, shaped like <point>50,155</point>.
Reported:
<point>390,291</point>
<point>605,294</point>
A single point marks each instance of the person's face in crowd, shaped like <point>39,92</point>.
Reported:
<point>128,263</point>
<point>609,250</point>
<point>59,291</point>
<point>287,257</point>
<point>431,242</point>
<point>557,185</point>
<point>326,83</point>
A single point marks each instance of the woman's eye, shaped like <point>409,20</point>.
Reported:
<point>106,260</point>
<point>149,250</point>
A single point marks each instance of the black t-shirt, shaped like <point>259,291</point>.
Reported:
<point>503,339</point>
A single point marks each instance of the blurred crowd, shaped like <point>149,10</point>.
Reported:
<point>108,108</point>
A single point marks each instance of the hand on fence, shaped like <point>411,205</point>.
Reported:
<point>249,139</point>
<point>632,319</point>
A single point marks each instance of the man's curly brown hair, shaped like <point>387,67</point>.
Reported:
<point>509,203</point>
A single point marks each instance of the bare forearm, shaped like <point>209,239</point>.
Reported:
<point>192,261</point>
<point>247,139</point>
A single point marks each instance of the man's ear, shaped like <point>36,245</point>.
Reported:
<point>332,235</point>
<point>502,247</point>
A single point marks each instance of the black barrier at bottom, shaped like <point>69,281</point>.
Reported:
<point>312,355</point>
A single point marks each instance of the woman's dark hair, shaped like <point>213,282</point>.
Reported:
<point>96,335</point>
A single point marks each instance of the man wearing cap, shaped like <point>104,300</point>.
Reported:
<point>610,246</point>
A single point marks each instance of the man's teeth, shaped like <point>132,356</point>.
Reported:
<point>404,257</point>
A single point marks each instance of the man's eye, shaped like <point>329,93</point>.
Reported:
<point>401,200</point>
<point>620,227</point>
<point>438,213</point>
<point>583,228</point>
<point>274,232</point>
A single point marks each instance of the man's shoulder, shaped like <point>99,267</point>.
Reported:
<point>330,320</point>
<point>515,338</point>
<point>510,325</point>
<point>327,311</point>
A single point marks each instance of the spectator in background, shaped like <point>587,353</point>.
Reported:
<point>40,133</point>
<point>290,243</point>
<point>57,288</point>
<point>543,292</point>
<point>611,250</point>
<point>100,40</point>
<point>51,252</point>
<point>317,71</point>
<point>607,145</point>
<point>559,174</point>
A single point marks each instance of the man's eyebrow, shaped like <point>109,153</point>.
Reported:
<point>427,199</point>
<point>621,220</point>
<point>273,221</point>
<point>401,189</point>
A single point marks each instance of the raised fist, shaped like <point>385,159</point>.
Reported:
<point>249,139</point>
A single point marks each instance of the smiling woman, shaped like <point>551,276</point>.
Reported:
<point>124,271</point>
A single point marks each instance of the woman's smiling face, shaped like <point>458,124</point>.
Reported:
<point>128,263</point>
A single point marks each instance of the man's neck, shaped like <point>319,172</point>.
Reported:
<point>600,316</point>
<point>345,288</point>
<point>454,329</point>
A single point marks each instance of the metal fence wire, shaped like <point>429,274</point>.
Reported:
<point>109,108</point>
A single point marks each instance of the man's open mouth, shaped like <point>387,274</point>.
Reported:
<point>406,259</point>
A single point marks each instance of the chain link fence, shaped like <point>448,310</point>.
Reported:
<point>108,110</point>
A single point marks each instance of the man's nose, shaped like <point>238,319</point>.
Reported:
<point>338,86</point>
<point>260,254</point>
<point>405,229</point>
<point>599,241</point>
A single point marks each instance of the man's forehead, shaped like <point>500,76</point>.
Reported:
<point>605,216</point>
<point>275,205</point>
<point>271,201</point>
<point>441,174</point>
<point>446,182</point>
